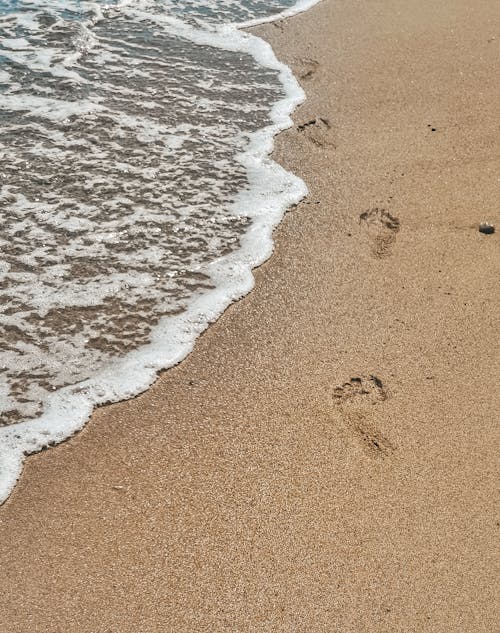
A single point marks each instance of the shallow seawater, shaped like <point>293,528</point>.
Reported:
<point>128,187</point>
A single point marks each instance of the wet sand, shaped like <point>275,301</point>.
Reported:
<point>325,459</point>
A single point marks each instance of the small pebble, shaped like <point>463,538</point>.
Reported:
<point>486,228</point>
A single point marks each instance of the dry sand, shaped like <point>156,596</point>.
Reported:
<point>324,460</point>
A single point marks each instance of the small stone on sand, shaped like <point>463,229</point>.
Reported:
<point>486,228</point>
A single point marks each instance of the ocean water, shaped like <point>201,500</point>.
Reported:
<point>136,195</point>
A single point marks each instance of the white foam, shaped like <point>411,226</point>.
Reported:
<point>299,7</point>
<point>47,108</point>
<point>272,190</point>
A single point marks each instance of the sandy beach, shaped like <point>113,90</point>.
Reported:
<point>325,460</point>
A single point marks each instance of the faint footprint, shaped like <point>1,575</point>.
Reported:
<point>355,398</point>
<point>382,228</point>
<point>318,131</point>
<point>306,67</point>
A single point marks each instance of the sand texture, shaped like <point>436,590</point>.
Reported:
<point>325,461</point>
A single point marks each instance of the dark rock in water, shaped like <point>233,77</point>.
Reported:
<point>486,228</point>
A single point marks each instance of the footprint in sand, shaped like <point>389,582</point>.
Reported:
<point>306,68</point>
<point>318,131</point>
<point>355,398</point>
<point>382,228</point>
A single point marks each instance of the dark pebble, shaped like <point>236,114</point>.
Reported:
<point>486,228</point>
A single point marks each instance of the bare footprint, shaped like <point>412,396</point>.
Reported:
<point>318,131</point>
<point>355,399</point>
<point>382,228</point>
<point>306,67</point>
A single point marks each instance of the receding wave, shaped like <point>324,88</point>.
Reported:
<point>136,195</point>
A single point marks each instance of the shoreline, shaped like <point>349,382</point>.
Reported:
<point>271,191</point>
<point>325,458</point>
